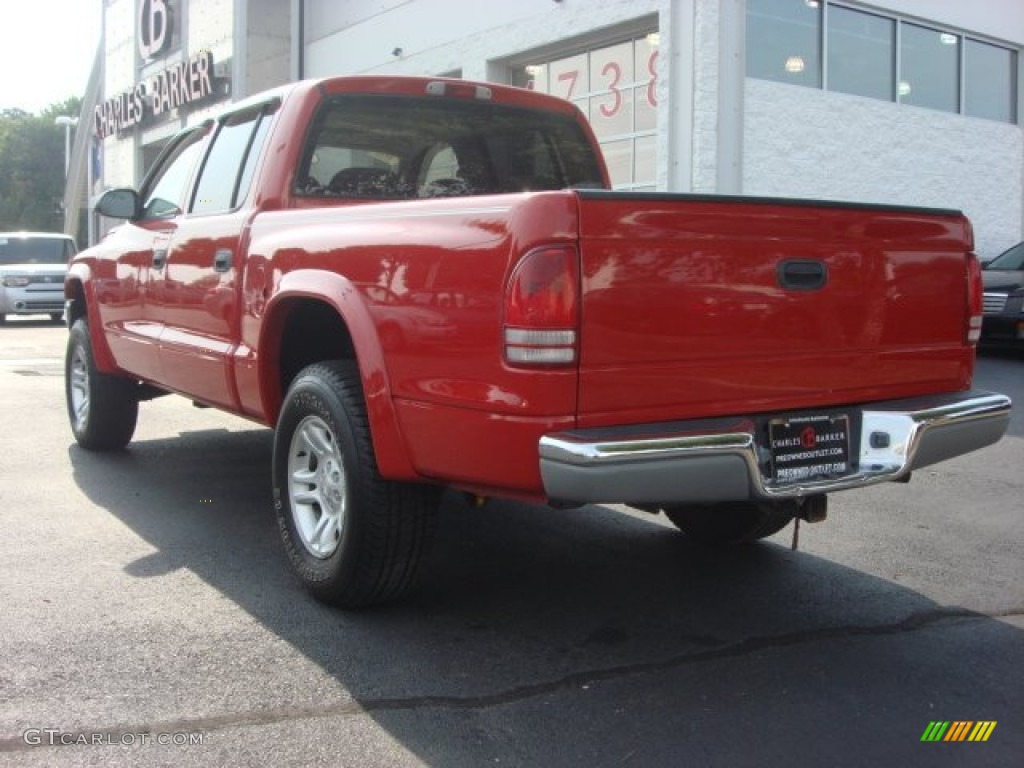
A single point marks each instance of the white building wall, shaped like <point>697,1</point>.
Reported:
<point>210,28</point>
<point>801,142</point>
<point>118,77</point>
<point>268,39</point>
<point>438,36</point>
<point>705,96</point>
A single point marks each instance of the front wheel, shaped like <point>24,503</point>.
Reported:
<point>353,537</point>
<point>102,409</point>
<point>731,522</point>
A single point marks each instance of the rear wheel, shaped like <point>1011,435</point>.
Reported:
<point>56,316</point>
<point>102,409</point>
<point>353,537</point>
<point>731,522</point>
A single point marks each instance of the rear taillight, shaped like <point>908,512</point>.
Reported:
<point>542,308</point>
<point>975,300</point>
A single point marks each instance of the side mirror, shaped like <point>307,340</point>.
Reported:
<point>120,203</point>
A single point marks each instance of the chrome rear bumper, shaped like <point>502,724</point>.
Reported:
<point>714,460</point>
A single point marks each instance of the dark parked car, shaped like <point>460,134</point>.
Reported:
<point>1004,298</point>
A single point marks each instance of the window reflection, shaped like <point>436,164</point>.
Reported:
<point>784,41</point>
<point>990,81</point>
<point>929,64</point>
<point>861,53</point>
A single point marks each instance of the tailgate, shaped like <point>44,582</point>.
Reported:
<point>705,306</point>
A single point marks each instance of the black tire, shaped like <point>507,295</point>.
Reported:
<point>57,316</point>
<point>102,409</point>
<point>731,522</point>
<point>354,538</point>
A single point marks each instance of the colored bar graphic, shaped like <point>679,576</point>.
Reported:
<point>958,730</point>
<point>982,730</point>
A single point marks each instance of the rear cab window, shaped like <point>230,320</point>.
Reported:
<point>368,146</point>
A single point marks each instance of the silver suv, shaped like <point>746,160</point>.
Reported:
<point>32,269</point>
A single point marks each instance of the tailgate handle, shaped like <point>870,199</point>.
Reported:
<point>802,274</point>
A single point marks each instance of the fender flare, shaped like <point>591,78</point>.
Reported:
<point>78,284</point>
<point>337,292</point>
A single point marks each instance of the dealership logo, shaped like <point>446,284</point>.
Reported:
<point>958,730</point>
<point>154,28</point>
<point>181,84</point>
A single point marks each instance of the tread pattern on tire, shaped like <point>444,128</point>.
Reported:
<point>392,522</point>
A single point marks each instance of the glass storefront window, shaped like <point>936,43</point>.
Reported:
<point>991,81</point>
<point>615,87</point>
<point>861,53</point>
<point>784,41</point>
<point>938,68</point>
<point>929,68</point>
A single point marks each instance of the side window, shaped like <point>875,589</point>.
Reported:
<point>250,160</point>
<point>396,147</point>
<point>165,193</point>
<point>228,169</point>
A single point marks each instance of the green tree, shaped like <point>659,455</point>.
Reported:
<point>32,167</point>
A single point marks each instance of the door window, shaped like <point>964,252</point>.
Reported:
<point>166,191</point>
<point>227,172</point>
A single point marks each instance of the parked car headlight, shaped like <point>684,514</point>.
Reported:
<point>15,281</point>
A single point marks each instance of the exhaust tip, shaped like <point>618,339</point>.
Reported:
<point>814,509</point>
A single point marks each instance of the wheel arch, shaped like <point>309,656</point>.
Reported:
<point>315,316</point>
<point>81,303</point>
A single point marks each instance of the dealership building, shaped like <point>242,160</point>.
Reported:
<point>913,102</point>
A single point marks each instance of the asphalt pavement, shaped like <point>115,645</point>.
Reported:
<point>148,616</point>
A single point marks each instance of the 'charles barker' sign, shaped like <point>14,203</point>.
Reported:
<point>181,84</point>
<point>178,85</point>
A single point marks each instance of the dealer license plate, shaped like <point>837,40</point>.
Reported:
<point>809,447</point>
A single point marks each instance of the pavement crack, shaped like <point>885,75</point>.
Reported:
<point>912,623</point>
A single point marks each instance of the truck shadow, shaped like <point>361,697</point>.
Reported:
<point>583,637</point>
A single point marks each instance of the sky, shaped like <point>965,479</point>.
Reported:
<point>46,50</point>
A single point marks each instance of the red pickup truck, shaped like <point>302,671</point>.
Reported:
<point>422,283</point>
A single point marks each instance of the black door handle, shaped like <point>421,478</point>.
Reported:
<point>222,260</point>
<point>159,258</point>
<point>802,274</point>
